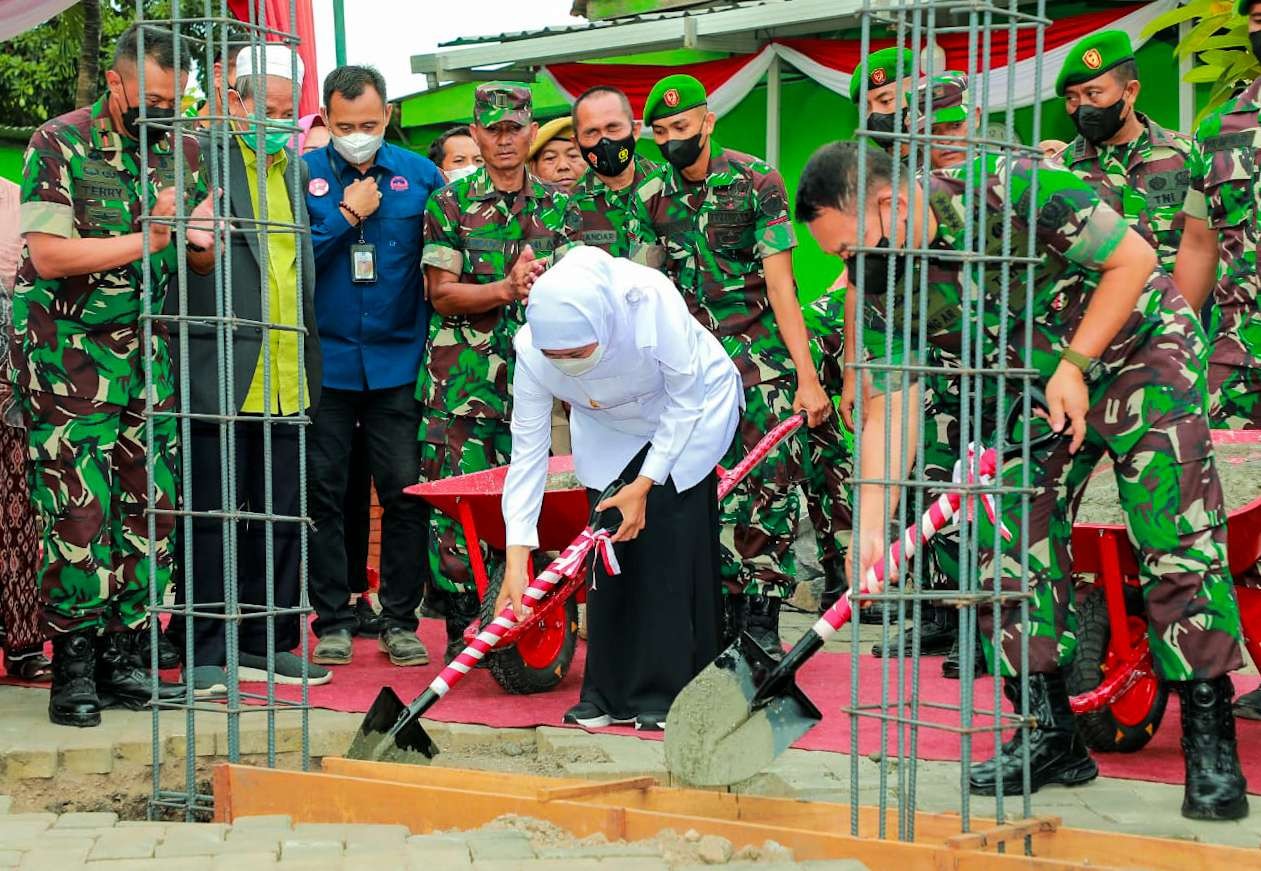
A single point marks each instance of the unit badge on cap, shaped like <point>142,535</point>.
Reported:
<point>1092,59</point>
<point>398,183</point>
<point>878,76</point>
<point>671,97</point>
<point>317,187</point>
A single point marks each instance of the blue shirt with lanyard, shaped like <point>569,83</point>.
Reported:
<point>372,333</point>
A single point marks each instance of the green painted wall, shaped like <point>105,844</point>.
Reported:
<point>11,160</point>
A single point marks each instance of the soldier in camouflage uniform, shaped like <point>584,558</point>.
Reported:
<point>1219,248</point>
<point>1135,166</point>
<point>1125,378</point>
<point>722,218</point>
<point>78,309</point>
<point>613,217</point>
<point>487,237</point>
<point>828,457</point>
<point>1218,260</point>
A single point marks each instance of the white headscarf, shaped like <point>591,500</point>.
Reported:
<point>570,305</point>
<point>590,296</point>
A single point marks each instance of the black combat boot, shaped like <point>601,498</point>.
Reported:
<point>120,681</point>
<point>938,628</point>
<point>461,610</point>
<point>762,623</point>
<point>1056,753</point>
<point>1215,786</point>
<point>140,643</point>
<point>735,616</point>
<point>952,666</point>
<point>72,701</point>
<point>834,585</point>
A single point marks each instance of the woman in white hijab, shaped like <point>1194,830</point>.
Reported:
<point>654,402</point>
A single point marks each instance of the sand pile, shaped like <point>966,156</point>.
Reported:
<point>688,849</point>
<point>1238,466</point>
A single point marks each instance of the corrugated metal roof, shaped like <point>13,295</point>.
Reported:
<point>716,6</point>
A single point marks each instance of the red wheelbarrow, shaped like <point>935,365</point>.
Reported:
<point>534,655</point>
<point>1118,699</point>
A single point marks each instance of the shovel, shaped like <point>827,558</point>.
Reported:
<point>392,732</point>
<point>745,708</point>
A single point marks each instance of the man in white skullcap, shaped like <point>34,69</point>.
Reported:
<point>654,403</point>
<point>272,369</point>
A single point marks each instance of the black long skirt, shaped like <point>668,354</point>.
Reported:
<point>654,626</point>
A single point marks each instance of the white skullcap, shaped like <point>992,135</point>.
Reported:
<point>274,59</point>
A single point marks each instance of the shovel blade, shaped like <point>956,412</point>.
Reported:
<point>388,735</point>
<point>714,735</point>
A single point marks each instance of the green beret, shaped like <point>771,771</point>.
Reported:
<point>1094,56</point>
<point>672,95</point>
<point>880,68</point>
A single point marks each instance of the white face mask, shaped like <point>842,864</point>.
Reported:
<point>576,366</point>
<point>460,172</point>
<point>357,148</point>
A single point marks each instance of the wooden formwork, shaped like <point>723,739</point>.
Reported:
<point>430,798</point>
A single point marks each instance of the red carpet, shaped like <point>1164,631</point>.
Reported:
<point>826,679</point>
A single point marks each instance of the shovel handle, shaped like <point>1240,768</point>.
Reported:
<point>737,473</point>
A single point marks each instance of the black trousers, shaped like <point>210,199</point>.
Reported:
<point>202,458</point>
<point>389,420</point>
<point>357,514</point>
<point>654,626</point>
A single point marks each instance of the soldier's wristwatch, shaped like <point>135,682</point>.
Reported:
<point>1087,365</point>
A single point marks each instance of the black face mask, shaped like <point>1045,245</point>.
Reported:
<point>131,119</point>
<point>876,267</point>
<point>1099,125</point>
<point>882,122</point>
<point>1255,39</point>
<point>610,157</point>
<point>682,153</point>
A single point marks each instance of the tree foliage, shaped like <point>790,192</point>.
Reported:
<point>1218,40</point>
<point>39,69</point>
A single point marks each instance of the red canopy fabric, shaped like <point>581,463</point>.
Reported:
<point>831,61</point>
<point>275,14</point>
<point>637,79</point>
<point>845,55</point>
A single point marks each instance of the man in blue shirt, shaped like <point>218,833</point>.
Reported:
<point>367,203</point>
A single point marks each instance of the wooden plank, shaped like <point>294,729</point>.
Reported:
<point>1005,833</point>
<point>825,818</point>
<point>602,788</point>
<point>767,810</point>
<point>309,797</point>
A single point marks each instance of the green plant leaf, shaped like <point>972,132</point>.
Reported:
<point>1203,74</point>
<point>1186,12</point>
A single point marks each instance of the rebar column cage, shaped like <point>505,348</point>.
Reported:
<point>993,271</point>
<point>203,29</point>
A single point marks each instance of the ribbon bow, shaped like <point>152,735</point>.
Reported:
<point>974,476</point>
<point>570,563</point>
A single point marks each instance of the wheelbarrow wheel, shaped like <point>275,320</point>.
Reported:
<point>541,657</point>
<point>1128,723</point>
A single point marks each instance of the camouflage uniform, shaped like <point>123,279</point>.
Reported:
<point>477,233</point>
<point>715,238</point>
<point>81,373</point>
<point>1144,181</point>
<point>1147,401</point>
<point>828,458</point>
<point>1224,192</point>
<point>616,221</point>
